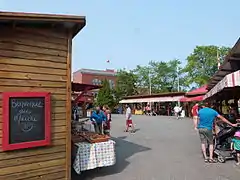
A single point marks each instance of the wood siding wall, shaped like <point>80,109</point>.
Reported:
<point>33,60</point>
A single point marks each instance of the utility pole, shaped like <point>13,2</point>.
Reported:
<point>178,86</point>
<point>218,59</point>
<point>178,83</point>
<point>150,82</point>
<point>150,86</point>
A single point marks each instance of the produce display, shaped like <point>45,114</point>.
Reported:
<point>90,137</point>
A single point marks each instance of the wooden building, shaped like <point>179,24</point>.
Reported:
<point>35,55</point>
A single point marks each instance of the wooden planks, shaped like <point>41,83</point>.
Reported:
<point>32,63</point>
<point>31,76</point>
<point>30,159</point>
<point>29,69</point>
<point>36,61</point>
<point>32,49</point>
<point>29,152</point>
<point>32,166</point>
<point>30,34</point>
<point>21,54</point>
<point>34,173</point>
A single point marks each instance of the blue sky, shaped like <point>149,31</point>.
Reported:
<point>132,32</point>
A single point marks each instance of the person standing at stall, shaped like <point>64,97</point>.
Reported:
<point>195,115</point>
<point>107,125</point>
<point>98,118</point>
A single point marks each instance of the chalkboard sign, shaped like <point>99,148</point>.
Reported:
<point>26,120</point>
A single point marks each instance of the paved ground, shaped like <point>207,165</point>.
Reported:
<point>163,148</point>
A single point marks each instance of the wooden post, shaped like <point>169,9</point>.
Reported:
<point>68,108</point>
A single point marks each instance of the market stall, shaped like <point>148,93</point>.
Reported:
<point>192,97</point>
<point>82,98</point>
<point>161,103</point>
<point>224,86</point>
<point>225,94</point>
<point>90,150</point>
<point>229,81</point>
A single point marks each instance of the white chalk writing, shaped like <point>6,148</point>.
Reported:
<point>23,104</point>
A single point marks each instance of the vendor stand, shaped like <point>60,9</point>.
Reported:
<point>224,86</point>
<point>35,76</point>
<point>89,149</point>
<point>225,94</point>
<point>82,96</point>
<point>192,97</point>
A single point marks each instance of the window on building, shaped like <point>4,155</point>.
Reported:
<point>111,83</point>
<point>96,82</point>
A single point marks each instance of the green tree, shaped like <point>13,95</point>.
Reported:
<point>163,76</point>
<point>125,84</point>
<point>202,63</point>
<point>105,95</point>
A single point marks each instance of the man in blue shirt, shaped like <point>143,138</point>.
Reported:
<point>98,118</point>
<point>206,117</point>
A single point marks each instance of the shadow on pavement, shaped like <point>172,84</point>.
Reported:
<point>124,150</point>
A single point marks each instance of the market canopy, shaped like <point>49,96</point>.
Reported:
<point>230,80</point>
<point>192,99</point>
<point>161,97</point>
<point>199,91</point>
<point>77,87</point>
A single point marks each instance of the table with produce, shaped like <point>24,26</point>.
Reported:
<point>91,150</point>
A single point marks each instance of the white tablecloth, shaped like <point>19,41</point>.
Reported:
<point>90,156</point>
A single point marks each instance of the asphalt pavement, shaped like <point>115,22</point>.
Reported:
<point>163,148</point>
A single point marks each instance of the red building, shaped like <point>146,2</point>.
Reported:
<point>95,77</point>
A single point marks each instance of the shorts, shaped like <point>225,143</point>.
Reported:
<point>206,136</point>
<point>129,122</point>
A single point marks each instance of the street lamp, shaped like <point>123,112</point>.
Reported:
<point>150,82</point>
<point>150,85</point>
<point>178,83</point>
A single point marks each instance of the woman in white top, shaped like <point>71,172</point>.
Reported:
<point>129,122</point>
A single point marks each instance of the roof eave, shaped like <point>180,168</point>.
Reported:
<point>78,21</point>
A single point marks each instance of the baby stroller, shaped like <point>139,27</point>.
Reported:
<point>222,143</point>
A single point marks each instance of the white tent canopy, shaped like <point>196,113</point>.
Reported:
<point>155,99</point>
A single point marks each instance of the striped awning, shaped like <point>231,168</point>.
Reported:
<point>155,99</point>
<point>230,80</point>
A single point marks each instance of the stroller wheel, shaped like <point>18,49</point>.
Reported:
<point>221,159</point>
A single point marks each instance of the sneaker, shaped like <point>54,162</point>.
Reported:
<point>238,164</point>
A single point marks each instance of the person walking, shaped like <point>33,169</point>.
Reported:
<point>98,118</point>
<point>177,111</point>
<point>195,115</point>
<point>129,122</point>
<point>206,118</point>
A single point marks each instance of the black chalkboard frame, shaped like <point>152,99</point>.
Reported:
<point>6,146</point>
